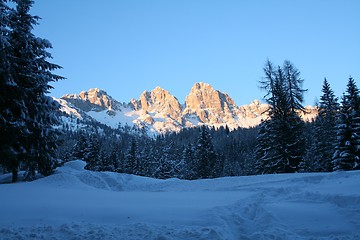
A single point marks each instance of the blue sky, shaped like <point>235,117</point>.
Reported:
<point>128,46</point>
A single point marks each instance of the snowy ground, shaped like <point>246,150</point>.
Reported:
<point>79,204</point>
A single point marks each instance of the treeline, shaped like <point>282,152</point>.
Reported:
<point>192,153</point>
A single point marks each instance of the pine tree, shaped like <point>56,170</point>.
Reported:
<point>325,129</point>
<point>106,163</point>
<point>31,112</point>
<point>131,158</point>
<point>347,150</point>
<point>264,151</point>
<point>115,157</point>
<point>12,117</point>
<point>164,167</point>
<point>205,154</point>
<point>92,154</point>
<point>294,90</point>
<point>280,142</point>
<point>79,148</point>
<point>147,162</point>
<point>190,163</point>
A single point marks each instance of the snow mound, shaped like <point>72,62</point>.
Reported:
<point>75,203</point>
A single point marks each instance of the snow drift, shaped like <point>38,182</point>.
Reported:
<point>75,203</point>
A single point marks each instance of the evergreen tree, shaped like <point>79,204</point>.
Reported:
<point>164,169</point>
<point>12,114</point>
<point>347,150</point>
<point>131,159</point>
<point>106,163</point>
<point>325,129</point>
<point>190,163</point>
<point>205,154</point>
<point>79,148</point>
<point>280,142</point>
<point>164,159</point>
<point>311,162</point>
<point>294,90</point>
<point>92,153</point>
<point>115,157</point>
<point>264,151</point>
<point>147,162</point>
<point>31,114</point>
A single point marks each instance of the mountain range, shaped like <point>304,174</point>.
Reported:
<point>158,111</point>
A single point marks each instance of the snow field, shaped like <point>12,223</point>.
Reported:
<point>78,204</point>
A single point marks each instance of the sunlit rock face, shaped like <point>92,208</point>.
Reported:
<point>94,99</point>
<point>209,105</point>
<point>160,101</point>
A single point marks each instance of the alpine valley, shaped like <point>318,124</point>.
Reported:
<point>157,111</point>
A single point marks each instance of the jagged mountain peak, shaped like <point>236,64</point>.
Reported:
<point>209,105</point>
<point>204,90</point>
<point>85,95</point>
<point>157,95</point>
<point>202,85</point>
<point>161,101</point>
<point>95,99</point>
<point>159,89</point>
<point>96,91</point>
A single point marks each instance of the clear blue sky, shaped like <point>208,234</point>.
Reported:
<point>128,46</point>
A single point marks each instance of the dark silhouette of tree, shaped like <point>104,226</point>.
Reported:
<point>347,153</point>
<point>280,142</point>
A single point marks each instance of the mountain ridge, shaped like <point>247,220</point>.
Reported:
<point>158,111</point>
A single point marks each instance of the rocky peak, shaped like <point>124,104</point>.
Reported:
<point>94,99</point>
<point>203,95</point>
<point>208,104</point>
<point>159,101</point>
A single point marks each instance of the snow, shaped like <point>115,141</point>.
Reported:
<point>75,203</point>
<point>68,109</point>
<point>124,116</point>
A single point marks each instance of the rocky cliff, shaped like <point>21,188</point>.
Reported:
<point>94,99</point>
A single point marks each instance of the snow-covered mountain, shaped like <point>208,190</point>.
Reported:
<point>158,111</point>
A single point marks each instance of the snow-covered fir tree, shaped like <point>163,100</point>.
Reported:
<point>163,159</point>
<point>30,112</point>
<point>12,119</point>
<point>347,150</point>
<point>190,169</point>
<point>325,130</point>
<point>92,154</point>
<point>106,163</point>
<point>147,167</point>
<point>116,157</point>
<point>78,151</point>
<point>131,164</point>
<point>280,142</point>
<point>264,152</point>
<point>206,155</point>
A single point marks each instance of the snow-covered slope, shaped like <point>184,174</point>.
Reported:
<point>78,204</point>
<point>158,111</point>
